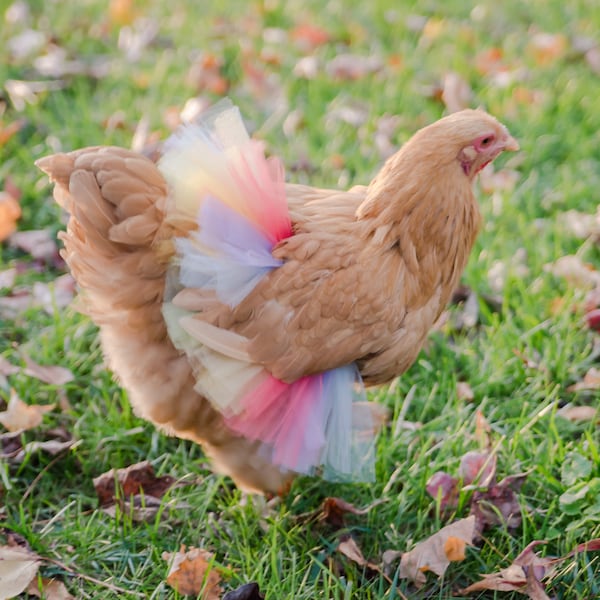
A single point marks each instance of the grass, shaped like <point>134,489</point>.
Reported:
<point>551,107</point>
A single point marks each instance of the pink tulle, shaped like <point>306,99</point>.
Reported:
<point>263,185</point>
<point>288,418</point>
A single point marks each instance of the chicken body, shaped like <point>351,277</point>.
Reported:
<point>364,277</point>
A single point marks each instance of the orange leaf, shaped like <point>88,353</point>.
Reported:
<point>122,12</point>
<point>19,415</point>
<point>192,572</point>
<point>10,211</point>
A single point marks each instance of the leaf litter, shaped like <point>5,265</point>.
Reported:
<point>192,572</point>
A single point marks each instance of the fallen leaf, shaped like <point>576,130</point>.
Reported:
<point>489,61</point>
<point>333,510</point>
<point>432,554</point>
<point>456,92</point>
<point>12,450</point>
<point>577,414</point>
<point>131,480</point>
<point>26,44</point>
<point>18,566</point>
<point>590,381</point>
<point>581,225</point>
<point>206,74</point>
<point>193,572</point>
<point>10,211</point>
<point>22,93</point>
<point>592,58</point>
<point>445,487</point>
<point>54,295</point>
<point>8,131</point>
<point>21,416</point>
<point>498,504</point>
<point>49,589</point>
<point>350,67</point>
<point>478,468</point>
<point>575,271</point>
<point>592,319</point>
<point>54,375</point>
<point>547,47</point>
<point>7,277</point>
<point>308,37</point>
<point>248,591</point>
<point>349,548</point>
<point>432,29</point>
<point>464,391</point>
<point>515,577</point>
<point>122,12</point>
<point>483,430</point>
<point>37,242</point>
<point>307,67</point>
<point>7,368</point>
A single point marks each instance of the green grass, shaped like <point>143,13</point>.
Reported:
<point>52,502</point>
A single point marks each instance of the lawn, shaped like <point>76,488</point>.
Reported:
<point>332,88</point>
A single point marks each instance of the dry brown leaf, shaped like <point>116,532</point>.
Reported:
<point>515,577</point>
<point>7,277</point>
<point>131,480</point>
<point>18,566</point>
<point>349,548</point>
<point>37,242</point>
<point>56,294</point>
<point>478,468</point>
<point>575,271</point>
<point>10,211</point>
<point>577,414</point>
<point>436,552</point>
<point>333,510</point>
<point>50,589</point>
<point>350,67</point>
<point>445,487</point>
<point>12,450</point>
<point>498,504</point>
<point>54,375</point>
<point>456,92</point>
<point>23,92</point>
<point>591,381</point>
<point>483,430</point>
<point>464,391</point>
<point>192,572</point>
<point>7,368</point>
<point>19,416</point>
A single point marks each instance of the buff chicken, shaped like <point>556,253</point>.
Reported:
<point>249,314</point>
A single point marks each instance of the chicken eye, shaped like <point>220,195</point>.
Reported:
<point>486,141</point>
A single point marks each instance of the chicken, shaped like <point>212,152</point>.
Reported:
<point>245,313</point>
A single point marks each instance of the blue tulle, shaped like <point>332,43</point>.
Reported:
<point>228,254</point>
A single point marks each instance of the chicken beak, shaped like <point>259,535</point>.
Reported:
<point>510,144</point>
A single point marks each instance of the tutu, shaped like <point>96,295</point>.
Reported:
<point>220,177</point>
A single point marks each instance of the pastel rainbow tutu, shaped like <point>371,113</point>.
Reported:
<point>221,178</point>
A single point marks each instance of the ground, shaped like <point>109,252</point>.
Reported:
<point>332,88</point>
